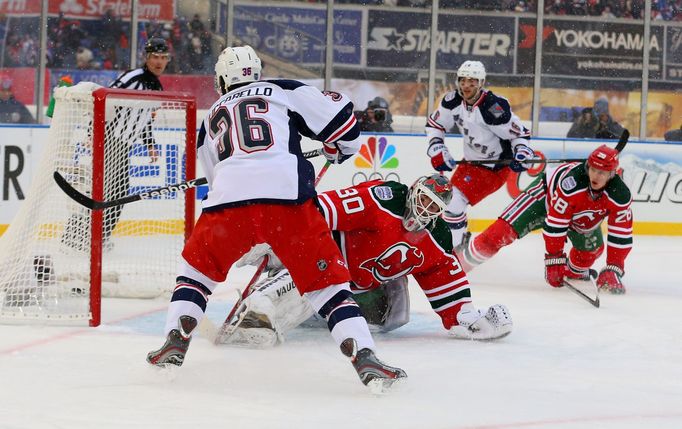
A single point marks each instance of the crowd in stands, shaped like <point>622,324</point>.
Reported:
<point>104,44</point>
<point>667,10</point>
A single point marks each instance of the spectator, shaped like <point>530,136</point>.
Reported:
<point>585,126</point>
<point>673,135</point>
<point>376,117</point>
<point>84,58</point>
<point>607,128</point>
<point>11,110</point>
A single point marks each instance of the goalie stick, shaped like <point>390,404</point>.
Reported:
<point>622,141</point>
<point>594,301</point>
<point>92,204</point>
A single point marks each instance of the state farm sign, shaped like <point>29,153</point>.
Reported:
<point>160,10</point>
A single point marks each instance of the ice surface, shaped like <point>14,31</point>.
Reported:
<point>565,365</point>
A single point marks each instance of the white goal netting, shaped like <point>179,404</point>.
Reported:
<point>107,144</point>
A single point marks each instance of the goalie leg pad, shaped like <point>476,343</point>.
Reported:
<point>273,308</point>
<point>491,324</point>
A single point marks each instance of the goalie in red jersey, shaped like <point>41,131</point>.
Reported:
<point>386,231</point>
<point>569,201</point>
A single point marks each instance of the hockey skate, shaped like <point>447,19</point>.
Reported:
<point>177,342</point>
<point>473,324</point>
<point>373,373</point>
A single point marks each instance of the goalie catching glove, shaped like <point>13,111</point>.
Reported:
<point>610,279</point>
<point>441,160</point>
<point>491,324</point>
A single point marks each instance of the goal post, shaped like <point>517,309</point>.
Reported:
<point>57,258</point>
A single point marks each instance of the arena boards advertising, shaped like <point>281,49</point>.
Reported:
<point>653,171</point>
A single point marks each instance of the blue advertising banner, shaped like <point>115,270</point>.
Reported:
<point>100,77</point>
<point>403,40</point>
<point>482,38</point>
<point>398,39</point>
<point>299,35</point>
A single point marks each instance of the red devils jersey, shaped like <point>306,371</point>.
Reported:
<point>571,204</point>
<point>367,222</point>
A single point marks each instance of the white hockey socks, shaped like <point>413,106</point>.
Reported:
<point>344,318</point>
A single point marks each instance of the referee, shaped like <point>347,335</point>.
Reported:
<point>130,125</point>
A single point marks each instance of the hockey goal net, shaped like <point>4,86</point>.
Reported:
<point>58,258</point>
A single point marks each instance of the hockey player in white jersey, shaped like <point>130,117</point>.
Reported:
<point>261,190</point>
<point>490,131</point>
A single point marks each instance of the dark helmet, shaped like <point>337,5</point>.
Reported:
<point>377,103</point>
<point>156,45</point>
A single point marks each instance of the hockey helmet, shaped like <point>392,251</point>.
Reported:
<point>473,70</point>
<point>604,158</point>
<point>236,65</point>
<point>427,199</point>
<point>156,45</point>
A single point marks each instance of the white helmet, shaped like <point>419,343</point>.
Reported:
<point>236,65</point>
<point>472,69</point>
<point>420,211</point>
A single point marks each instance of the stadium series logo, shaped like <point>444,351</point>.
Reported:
<point>377,154</point>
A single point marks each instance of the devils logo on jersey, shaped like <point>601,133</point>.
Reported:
<point>396,261</point>
<point>587,220</point>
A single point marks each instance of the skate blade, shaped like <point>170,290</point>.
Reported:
<point>381,386</point>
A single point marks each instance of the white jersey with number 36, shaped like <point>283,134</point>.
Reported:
<point>249,142</point>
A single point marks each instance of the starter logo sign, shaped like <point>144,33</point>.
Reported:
<point>401,39</point>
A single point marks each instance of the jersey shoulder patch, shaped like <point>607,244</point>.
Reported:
<point>383,193</point>
<point>440,231</point>
<point>391,196</point>
<point>568,184</point>
<point>451,100</point>
<point>575,180</point>
<point>495,110</point>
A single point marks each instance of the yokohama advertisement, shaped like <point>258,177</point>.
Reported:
<point>598,49</point>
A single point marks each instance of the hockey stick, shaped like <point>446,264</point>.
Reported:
<point>226,324</point>
<point>92,204</point>
<point>594,301</point>
<point>322,172</point>
<point>622,141</point>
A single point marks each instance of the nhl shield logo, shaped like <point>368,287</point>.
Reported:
<point>322,265</point>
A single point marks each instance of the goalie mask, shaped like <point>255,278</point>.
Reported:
<point>473,70</point>
<point>427,199</point>
<point>236,65</point>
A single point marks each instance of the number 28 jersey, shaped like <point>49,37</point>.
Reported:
<point>572,205</point>
<point>249,142</point>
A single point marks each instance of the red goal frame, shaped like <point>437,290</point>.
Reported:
<point>101,96</point>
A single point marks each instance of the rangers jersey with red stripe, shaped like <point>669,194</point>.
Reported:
<point>572,204</point>
<point>249,144</point>
<point>489,128</point>
<point>367,222</point>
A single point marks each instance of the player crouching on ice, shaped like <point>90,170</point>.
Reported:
<point>385,231</point>
<point>570,200</point>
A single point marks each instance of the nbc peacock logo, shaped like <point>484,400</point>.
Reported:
<point>376,154</point>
